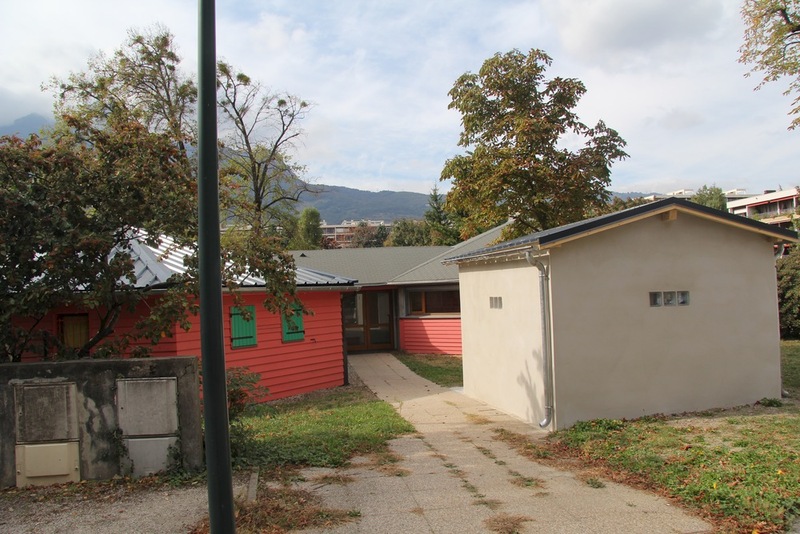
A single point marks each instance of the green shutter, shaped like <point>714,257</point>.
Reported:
<point>293,326</point>
<point>243,332</point>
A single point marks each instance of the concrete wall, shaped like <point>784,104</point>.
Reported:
<point>98,435</point>
<point>616,356</point>
<point>502,346</point>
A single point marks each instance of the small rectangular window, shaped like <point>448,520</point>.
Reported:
<point>293,326</point>
<point>669,298</point>
<point>433,301</point>
<point>496,303</point>
<point>416,302</point>
<point>73,330</point>
<point>243,327</point>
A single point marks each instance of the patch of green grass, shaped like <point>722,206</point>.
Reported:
<point>754,484</point>
<point>321,430</point>
<point>595,483</point>
<point>790,366</point>
<point>443,370</point>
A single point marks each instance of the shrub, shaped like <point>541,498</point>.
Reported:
<point>789,294</point>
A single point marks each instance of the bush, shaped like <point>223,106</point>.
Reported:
<point>789,294</point>
<point>243,389</point>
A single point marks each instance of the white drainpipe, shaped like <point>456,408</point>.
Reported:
<point>547,356</point>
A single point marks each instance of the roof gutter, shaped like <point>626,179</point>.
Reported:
<point>506,254</point>
<point>547,345</point>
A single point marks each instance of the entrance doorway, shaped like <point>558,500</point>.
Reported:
<point>368,320</point>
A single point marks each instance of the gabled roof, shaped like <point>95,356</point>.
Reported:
<point>154,267</point>
<point>557,236</point>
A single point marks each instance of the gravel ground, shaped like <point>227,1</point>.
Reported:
<point>172,510</point>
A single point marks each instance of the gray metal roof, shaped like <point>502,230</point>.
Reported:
<point>434,271</point>
<point>554,236</point>
<point>154,266</point>
<point>370,266</point>
<point>394,265</point>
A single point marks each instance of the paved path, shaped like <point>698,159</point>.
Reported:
<point>454,477</point>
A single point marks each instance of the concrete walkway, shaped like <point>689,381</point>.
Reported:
<point>454,477</point>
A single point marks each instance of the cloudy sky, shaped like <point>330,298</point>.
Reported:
<point>663,73</point>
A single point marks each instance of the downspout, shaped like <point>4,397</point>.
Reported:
<point>547,356</point>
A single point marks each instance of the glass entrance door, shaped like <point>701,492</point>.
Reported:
<point>368,320</point>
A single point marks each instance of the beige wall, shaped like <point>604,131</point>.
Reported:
<point>502,347</point>
<point>615,356</point>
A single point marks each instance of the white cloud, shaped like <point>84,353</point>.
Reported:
<point>624,34</point>
<point>661,72</point>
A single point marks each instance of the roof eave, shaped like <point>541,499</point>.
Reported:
<point>775,233</point>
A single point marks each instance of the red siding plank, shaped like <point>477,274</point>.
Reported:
<point>431,335</point>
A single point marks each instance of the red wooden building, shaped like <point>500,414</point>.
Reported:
<point>294,356</point>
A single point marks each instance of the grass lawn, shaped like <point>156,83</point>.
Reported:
<point>321,429</point>
<point>442,370</point>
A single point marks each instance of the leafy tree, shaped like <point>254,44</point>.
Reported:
<point>442,224</point>
<point>260,182</point>
<point>408,233</point>
<point>141,82</point>
<point>366,236</point>
<point>129,119</point>
<point>517,127</point>
<point>789,294</point>
<point>618,204</point>
<point>69,222</point>
<point>308,234</point>
<point>712,197</point>
<point>771,39</point>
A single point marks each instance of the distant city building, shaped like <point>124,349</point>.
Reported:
<point>342,234</point>
<point>730,195</point>
<point>771,207</point>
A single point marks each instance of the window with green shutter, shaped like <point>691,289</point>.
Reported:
<point>293,326</point>
<point>243,326</point>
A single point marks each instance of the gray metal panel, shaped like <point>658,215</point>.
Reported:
<point>148,455</point>
<point>147,406</point>
<point>46,412</point>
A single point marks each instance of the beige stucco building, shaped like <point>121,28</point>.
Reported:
<point>662,308</point>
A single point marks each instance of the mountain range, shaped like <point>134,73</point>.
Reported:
<point>335,203</point>
<point>26,125</point>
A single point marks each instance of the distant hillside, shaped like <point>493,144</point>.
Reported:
<point>628,196</point>
<point>336,204</point>
<point>26,125</point>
